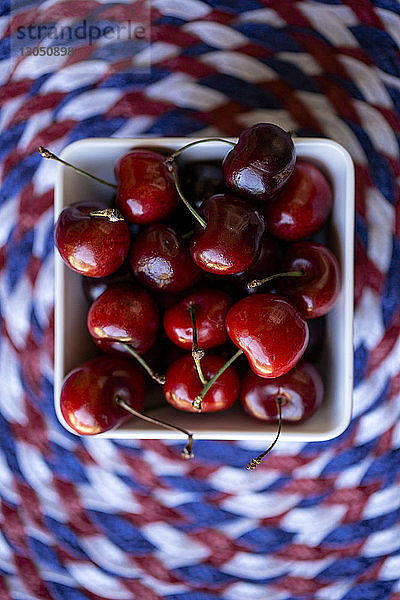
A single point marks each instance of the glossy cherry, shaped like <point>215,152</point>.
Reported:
<point>124,312</point>
<point>182,384</point>
<point>105,391</point>
<point>146,190</point>
<point>229,243</point>
<point>89,394</point>
<point>270,331</point>
<point>211,306</point>
<point>300,391</point>
<point>161,261</point>
<point>260,163</point>
<point>314,293</point>
<point>303,205</point>
<point>95,246</point>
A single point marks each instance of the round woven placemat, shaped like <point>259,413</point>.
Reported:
<point>90,518</point>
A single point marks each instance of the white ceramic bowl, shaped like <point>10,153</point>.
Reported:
<point>73,344</point>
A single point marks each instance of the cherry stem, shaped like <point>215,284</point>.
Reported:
<point>156,376</point>
<point>197,353</point>
<point>112,214</point>
<point>186,202</point>
<point>256,461</point>
<point>47,154</point>
<point>197,401</point>
<point>256,282</point>
<point>175,154</point>
<point>186,452</point>
<point>187,235</point>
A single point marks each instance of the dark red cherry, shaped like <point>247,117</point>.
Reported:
<point>124,313</point>
<point>303,205</point>
<point>270,331</point>
<point>95,246</point>
<point>211,306</point>
<point>161,261</point>
<point>300,391</point>
<point>229,243</point>
<point>314,293</point>
<point>182,384</point>
<point>265,264</point>
<point>260,163</point>
<point>146,190</point>
<point>89,393</point>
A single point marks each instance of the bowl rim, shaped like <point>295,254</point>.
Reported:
<point>347,284</point>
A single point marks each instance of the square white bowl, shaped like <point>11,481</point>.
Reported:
<point>72,341</point>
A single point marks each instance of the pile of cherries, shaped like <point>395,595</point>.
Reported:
<point>239,275</point>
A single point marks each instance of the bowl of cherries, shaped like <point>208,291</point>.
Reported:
<point>204,287</point>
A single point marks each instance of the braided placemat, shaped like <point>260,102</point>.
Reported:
<point>90,518</point>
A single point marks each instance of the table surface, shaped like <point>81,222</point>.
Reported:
<point>92,518</point>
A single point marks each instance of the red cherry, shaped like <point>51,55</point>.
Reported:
<point>182,384</point>
<point>303,205</point>
<point>270,332</point>
<point>124,313</point>
<point>300,391</point>
<point>261,162</point>
<point>211,306</point>
<point>314,293</point>
<point>229,243</point>
<point>161,261</point>
<point>95,246</point>
<point>89,393</point>
<point>146,189</point>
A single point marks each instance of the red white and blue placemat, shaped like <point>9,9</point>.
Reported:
<point>92,519</point>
